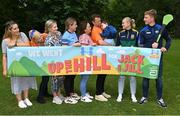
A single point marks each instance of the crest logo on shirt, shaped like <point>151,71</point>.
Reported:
<point>148,32</point>
<point>132,36</point>
<point>157,31</point>
<point>123,36</point>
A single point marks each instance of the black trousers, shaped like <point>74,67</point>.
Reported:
<point>69,84</point>
<point>100,84</point>
<point>43,89</point>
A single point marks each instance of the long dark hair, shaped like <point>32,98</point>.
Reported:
<point>82,26</point>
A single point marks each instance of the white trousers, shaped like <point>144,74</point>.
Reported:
<point>132,84</point>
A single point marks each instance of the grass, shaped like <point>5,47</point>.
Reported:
<point>171,93</point>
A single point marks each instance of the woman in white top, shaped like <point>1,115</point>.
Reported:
<point>12,37</point>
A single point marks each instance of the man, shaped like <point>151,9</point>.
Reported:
<point>96,37</point>
<point>147,38</point>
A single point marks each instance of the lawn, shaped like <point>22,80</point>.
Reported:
<point>171,93</point>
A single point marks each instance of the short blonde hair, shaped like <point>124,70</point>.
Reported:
<point>152,13</point>
<point>49,24</point>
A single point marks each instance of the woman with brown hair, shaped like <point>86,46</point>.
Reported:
<point>13,38</point>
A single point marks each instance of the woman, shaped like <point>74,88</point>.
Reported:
<point>13,38</point>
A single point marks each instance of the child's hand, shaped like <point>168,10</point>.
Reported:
<point>155,45</point>
<point>163,49</point>
<point>77,44</point>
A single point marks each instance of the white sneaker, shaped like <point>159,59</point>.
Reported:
<point>62,97</point>
<point>75,96</point>
<point>21,104</point>
<point>100,98</point>
<point>133,97</point>
<point>119,98</point>
<point>28,102</point>
<point>106,95</point>
<point>57,100</point>
<point>86,99</point>
<point>89,96</point>
<point>70,100</point>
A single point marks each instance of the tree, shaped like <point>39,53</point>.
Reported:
<point>33,13</point>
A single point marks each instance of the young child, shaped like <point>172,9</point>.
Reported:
<point>70,38</point>
<point>109,33</point>
<point>54,39</point>
<point>85,40</point>
<point>19,85</point>
<point>127,37</point>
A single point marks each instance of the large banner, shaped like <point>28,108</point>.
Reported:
<point>67,60</point>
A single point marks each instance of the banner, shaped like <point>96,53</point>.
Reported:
<point>68,60</point>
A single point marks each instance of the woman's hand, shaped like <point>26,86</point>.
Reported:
<point>77,44</point>
<point>94,44</point>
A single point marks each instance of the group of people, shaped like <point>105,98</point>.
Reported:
<point>101,34</point>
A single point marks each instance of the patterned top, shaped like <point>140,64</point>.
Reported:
<point>53,40</point>
<point>85,39</point>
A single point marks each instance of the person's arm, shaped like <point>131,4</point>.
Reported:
<point>91,42</point>
<point>4,59</point>
<point>103,43</point>
<point>77,44</point>
<point>141,39</point>
<point>137,36</point>
<point>4,64</point>
<point>105,33</point>
<point>97,37</point>
<point>25,40</point>
<point>118,43</point>
<point>168,39</point>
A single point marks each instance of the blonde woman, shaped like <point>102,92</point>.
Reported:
<point>54,39</point>
<point>128,37</point>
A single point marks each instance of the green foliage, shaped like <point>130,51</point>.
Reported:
<point>118,9</point>
<point>33,13</point>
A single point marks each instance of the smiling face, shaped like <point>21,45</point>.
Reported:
<point>14,30</point>
<point>88,29</point>
<point>97,22</point>
<point>148,19</point>
<point>73,26</point>
<point>53,28</point>
<point>126,24</point>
